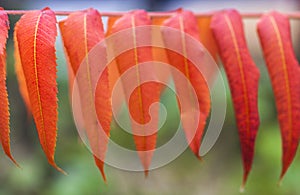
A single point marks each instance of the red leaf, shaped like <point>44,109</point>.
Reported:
<point>88,28</point>
<point>243,78</point>
<point>4,105</point>
<point>143,95</point>
<point>36,34</point>
<point>186,22</point>
<point>275,37</point>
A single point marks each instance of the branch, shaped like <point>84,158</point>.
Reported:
<point>291,15</point>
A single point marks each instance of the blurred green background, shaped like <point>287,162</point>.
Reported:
<point>219,173</point>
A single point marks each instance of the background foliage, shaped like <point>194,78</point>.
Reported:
<point>219,173</point>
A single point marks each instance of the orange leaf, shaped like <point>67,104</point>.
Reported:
<point>275,37</point>
<point>20,76</point>
<point>113,71</point>
<point>36,34</point>
<point>158,20</point>
<point>243,78</point>
<point>104,112</point>
<point>206,35</point>
<point>208,41</point>
<point>159,53</point>
<point>110,22</point>
<point>71,78</point>
<point>4,105</point>
<point>87,25</point>
<point>186,22</point>
<point>144,94</point>
<point>71,75</point>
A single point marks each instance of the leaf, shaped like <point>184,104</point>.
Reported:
<point>88,27</point>
<point>113,71</point>
<point>4,104</point>
<point>243,77</point>
<point>159,53</point>
<point>144,94</point>
<point>110,22</point>
<point>20,76</point>
<point>36,34</point>
<point>186,22</point>
<point>71,78</point>
<point>104,112</point>
<point>208,41</point>
<point>206,35</point>
<point>275,37</point>
<point>71,75</point>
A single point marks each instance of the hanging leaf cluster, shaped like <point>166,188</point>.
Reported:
<point>222,34</point>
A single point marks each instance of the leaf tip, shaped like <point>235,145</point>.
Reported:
<point>13,160</point>
<point>282,174</point>
<point>9,155</point>
<point>58,168</point>
<point>62,171</point>
<point>245,177</point>
<point>46,8</point>
<point>103,175</point>
<point>199,158</point>
<point>146,173</point>
<point>279,183</point>
<point>281,177</point>
<point>100,165</point>
<point>242,188</point>
<point>105,181</point>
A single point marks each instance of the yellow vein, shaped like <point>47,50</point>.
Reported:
<point>37,80</point>
<point>286,77</point>
<point>186,68</point>
<point>89,77</point>
<point>240,64</point>
<point>137,71</point>
<point>86,57</point>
